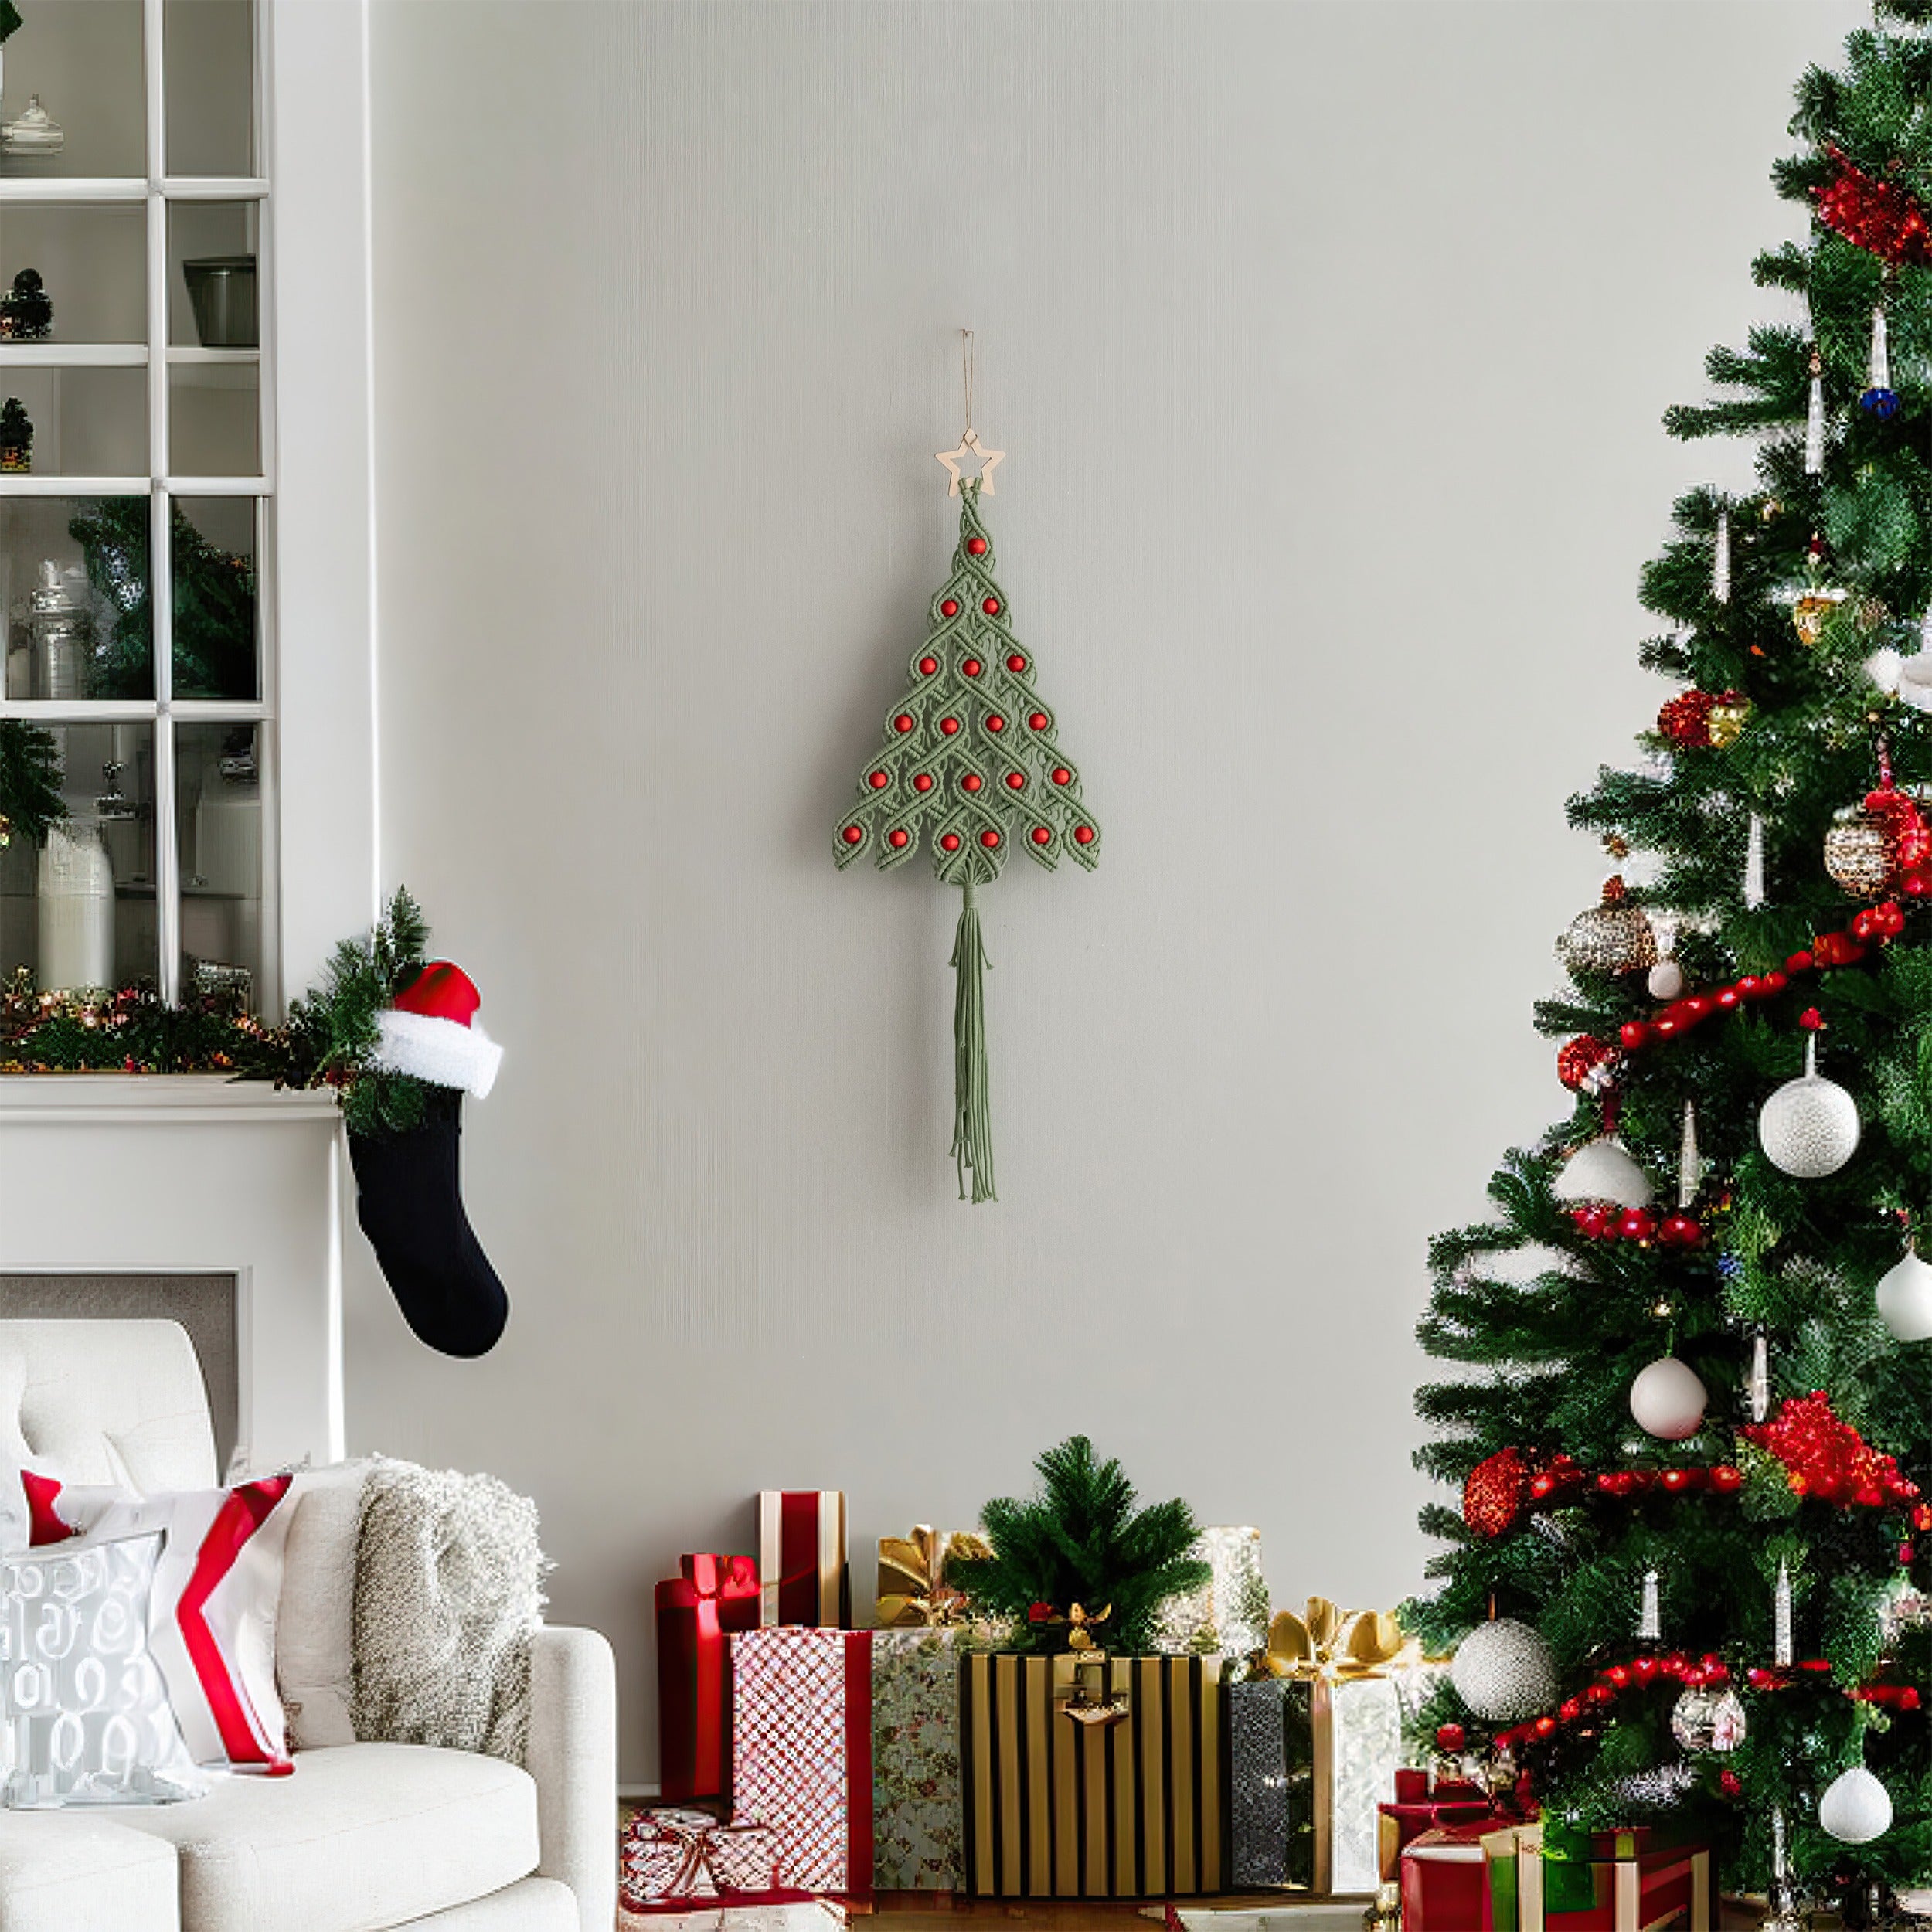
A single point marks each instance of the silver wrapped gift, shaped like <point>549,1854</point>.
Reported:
<point>1229,1613</point>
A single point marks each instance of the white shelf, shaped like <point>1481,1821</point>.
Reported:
<point>80,710</point>
<point>73,355</point>
<point>215,188</point>
<point>71,188</point>
<point>42,485</point>
<point>180,353</point>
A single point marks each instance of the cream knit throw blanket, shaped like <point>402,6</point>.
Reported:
<point>449,1585</point>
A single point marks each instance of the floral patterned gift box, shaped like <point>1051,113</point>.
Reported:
<point>917,1838</point>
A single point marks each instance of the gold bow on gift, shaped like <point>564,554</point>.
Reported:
<point>919,1563</point>
<point>1332,1643</point>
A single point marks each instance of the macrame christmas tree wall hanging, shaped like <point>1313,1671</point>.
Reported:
<point>968,760</point>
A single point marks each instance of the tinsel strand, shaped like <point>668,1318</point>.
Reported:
<point>972,1108</point>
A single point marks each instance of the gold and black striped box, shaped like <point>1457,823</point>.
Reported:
<point>1055,1808</point>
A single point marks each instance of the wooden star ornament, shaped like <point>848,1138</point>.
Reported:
<point>970,446</point>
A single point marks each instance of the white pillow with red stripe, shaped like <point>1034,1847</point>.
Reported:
<point>211,1623</point>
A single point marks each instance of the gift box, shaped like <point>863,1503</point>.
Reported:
<point>697,1612</point>
<point>1229,1613</point>
<point>918,1839</point>
<point>1445,1878</point>
<point>1629,1884</point>
<point>913,1590</point>
<point>1315,1740</point>
<point>1421,1804</point>
<point>674,1860</point>
<point>801,1750</point>
<point>807,1915</point>
<point>801,1558</point>
<point>1125,1800</point>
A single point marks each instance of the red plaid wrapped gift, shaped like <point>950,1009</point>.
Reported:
<point>802,1749</point>
<point>676,1861</point>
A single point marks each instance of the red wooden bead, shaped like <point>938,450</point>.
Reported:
<point>1618,1675</point>
<point>899,836</point>
<point>995,722</point>
<point>1016,780</point>
<point>975,546</point>
<point>949,725</point>
<point>990,606</point>
<point>1545,1727</point>
<point>971,782</point>
<point>1634,1033</point>
<point>1016,662</point>
<point>1636,1224</point>
<point>853,835</point>
<point>949,841</point>
<point>878,781</point>
<point>1082,835</point>
<point>1569,1710</point>
<point>1042,836</point>
<point>949,608</point>
<point>1062,776</point>
<point>927,666</point>
<point>972,667</point>
<point>903,721</point>
<point>1726,997</point>
<point>1039,721</point>
<point>1600,1694</point>
<point>989,840</point>
<point>923,782</point>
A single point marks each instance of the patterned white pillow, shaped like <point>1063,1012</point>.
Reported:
<point>85,1717</point>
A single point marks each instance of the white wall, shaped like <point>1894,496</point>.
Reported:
<point>1329,343</point>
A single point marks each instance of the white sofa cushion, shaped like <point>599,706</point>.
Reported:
<point>362,1836</point>
<point>62,1871</point>
<point>315,1629</point>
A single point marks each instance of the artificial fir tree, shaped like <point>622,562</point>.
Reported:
<point>1693,1411</point>
<point>968,758</point>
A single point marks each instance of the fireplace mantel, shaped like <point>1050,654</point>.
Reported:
<point>160,1098</point>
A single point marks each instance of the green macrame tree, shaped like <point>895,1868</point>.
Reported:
<point>1081,1541</point>
<point>968,759</point>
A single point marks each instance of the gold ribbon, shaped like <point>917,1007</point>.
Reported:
<point>1334,1643</point>
<point>919,1562</point>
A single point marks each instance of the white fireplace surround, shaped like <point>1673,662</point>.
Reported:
<point>157,1175</point>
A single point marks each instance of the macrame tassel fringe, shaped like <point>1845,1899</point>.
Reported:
<point>1721,559</point>
<point>1879,370</point>
<point>1754,864</point>
<point>1814,420</point>
<point>972,1107</point>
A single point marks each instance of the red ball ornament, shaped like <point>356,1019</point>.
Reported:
<point>878,781</point>
<point>1082,835</point>
<point>989,840</point>
<point>923,782</point>
<point>972,667</point>
<point>949,841</point>
<point>903,721</point>
<point>975,546</point>
<point>949,608</point>
<point>1042,836</point>
<point>898,836</point>
<point>949,725</point>
<point>1016,781</point>
<point>1038,721</point>
<point>1584,1059</point>
<point>1016,663</point>
<point>995,722</point>
<point>1451,1739</point>
<point>852,834</point>
<point>1494,1492</point>
<point>927,666</point>
<point>1680,1230</point>
<point>1636,1224</point>
<point>1062,776</point>
<point>1593,1221</point>
<point>971,782</point>
<point>990,606</point>
<point>1686,720</point>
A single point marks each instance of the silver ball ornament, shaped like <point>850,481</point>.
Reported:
<point>1668,1400</point>
<point>1666,980</point>
<point>1704,1719</point>
<point>1504,1672</point>
<point>1809,1128</point>
<point>1856,1807</point>
<point>1904,1298</point>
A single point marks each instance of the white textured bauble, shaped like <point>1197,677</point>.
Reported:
<point>1915,681</point>
<point>1905,1297</point>
<point>1602,1170</point>
<point>1809,1128</point>
<point>1856,1807</point>
<point>1504,1671</point>
<point>1666,980</point>
<point>1704,1719</point>
<point>1668,1400</point>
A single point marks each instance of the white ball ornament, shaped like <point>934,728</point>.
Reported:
<point>1602,1170</point>
<point>1504,1672</point>
<point>1809,1128</point>
<point>1668,1400</point>
<point>1666,980</point>
<point>1904,1298</point>
<point>1856,1807</point>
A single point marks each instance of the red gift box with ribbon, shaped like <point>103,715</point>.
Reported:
<point>675,1861</point>
<point>697,1613</point>
<point>801,1558</point>
<point>1424,1804</point>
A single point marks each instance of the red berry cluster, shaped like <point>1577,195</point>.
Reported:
<point>1877,216</point>
<point>1686,719</point>
<point>1825,1457</point>
<point>1722,1479</point>
<point>1889,1697</point>
<point>1610,1685</point>
<point>1601,1224</point>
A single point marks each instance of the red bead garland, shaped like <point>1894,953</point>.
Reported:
<point>1611,1684</point>
<point>903,721</point>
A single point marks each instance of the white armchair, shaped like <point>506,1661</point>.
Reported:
<point>364,1837</point>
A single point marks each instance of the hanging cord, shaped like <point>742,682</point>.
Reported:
<point>966,372</point>
<point>972,1105</point>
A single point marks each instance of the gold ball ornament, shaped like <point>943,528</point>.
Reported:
<point>1614,936</point>
<point>1861,852</point>
<point>1811,610</point>
<point>1726,718</point>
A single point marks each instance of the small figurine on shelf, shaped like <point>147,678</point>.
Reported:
<point>26,310</point>
<point>35,132</point>
<point>16,438</point>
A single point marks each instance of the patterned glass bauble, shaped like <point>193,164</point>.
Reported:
<point>1727,718</point>
<point>1613,938</point>
<point>1809,1128</point>
<point>1856,1807</point>
<point>1602,1170</point>
<point>1904,1298</point>
<point>1862,852</point>
<point>1810,609</point>
<point>1504,1672</point>
<point>1585,1064</point>
<point>1704,1719</point>
<point>1495,1491</point>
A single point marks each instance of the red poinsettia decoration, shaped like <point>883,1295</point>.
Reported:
<point>1877,216</point>
<point>1825,1457</point>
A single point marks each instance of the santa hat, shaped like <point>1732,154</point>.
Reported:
<point>432,1031</point>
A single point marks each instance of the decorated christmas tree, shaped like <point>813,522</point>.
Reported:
<point>1692,1410</point>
